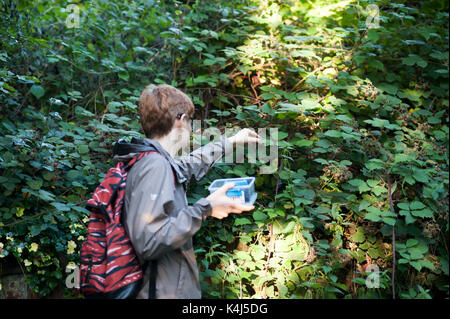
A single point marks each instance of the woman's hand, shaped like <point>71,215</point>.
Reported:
<point>222,205</point>
<point>245,135</point>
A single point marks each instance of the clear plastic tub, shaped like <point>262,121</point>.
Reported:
<point>243,190</point>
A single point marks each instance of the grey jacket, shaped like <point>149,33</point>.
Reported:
<point>159,220</point>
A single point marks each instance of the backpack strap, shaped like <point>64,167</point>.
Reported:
<point>153,264</point>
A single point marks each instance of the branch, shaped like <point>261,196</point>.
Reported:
<point>311,73</point>
<point>271,233</point>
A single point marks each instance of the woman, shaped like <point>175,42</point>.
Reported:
<point>157,216</point>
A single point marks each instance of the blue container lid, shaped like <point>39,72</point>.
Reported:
<point>234,193</point>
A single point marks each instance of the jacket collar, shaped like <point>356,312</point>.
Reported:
<point>124,151</point>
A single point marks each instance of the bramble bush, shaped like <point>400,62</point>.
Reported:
<point>358,91</point>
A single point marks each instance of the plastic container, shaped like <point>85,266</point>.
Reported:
<point>243,190</point>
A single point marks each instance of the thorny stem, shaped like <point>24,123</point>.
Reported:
<point>271,232</point>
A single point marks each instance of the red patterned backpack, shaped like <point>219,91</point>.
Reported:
<point>109,265</point>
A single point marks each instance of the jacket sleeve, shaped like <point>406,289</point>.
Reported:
<point>152,224</point>
<point>199,162</point>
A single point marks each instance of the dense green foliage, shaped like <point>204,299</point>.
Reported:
<point>360,103</point>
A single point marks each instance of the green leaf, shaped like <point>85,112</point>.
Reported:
<point>409,219</point>
<point>416,264</point>
<point>378,190</point>
<point>306,193</point>
<point>114,106</point>
<point>414,59</point>
<point>372,182</point>
<point>303,142</point>
<point>377,122</point>
<point>359,281</point>
<point>364,246</point>
<point>442,71</point>
<point>427,264</point>
<point>289,227</point>
<point>373,35</point>
<point>440,55</point>
<point>321,161</point>
<point>347,129</point>
<point>282,135</point>
<point>267,96</point>
<point>374,214</point>
<point>35,184</point>
<point>309,104</point>
<point>416,253</point>
<point>324,143</point>
<point>412,95</point>
<point>363,204</point>
<point>47,196</point>
<point>61,206</point>
<point>83,149</point>
<point>333,133</point>
<point>35,230</point>
<point>359,236</point>
<point>242,221</point>
<point>410,180</point>
<point>344,118</point>
<point>73,175</point>
<point>424,213</point>
<point>434,120</point>
<point>20,211</point>
<point>389,88</point>
<point>292,276</point>
<point>376,64</point>
<point>398,158</point>
<point>362,186</point>
<point>267,109</point>
<point>38,91</point>
<point>375,252</point>
<point>420,176</point>
<point>305,54</point>
<point>374,164</point>
<point>389,220</point>
<point>80,209</point>
<point>297,254</point>
<point>404,212</point>
<point>411,242</point>
<point>259,216</point>
<point>403,261</point>
<point>416,205</point>
<point>124,75</point>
